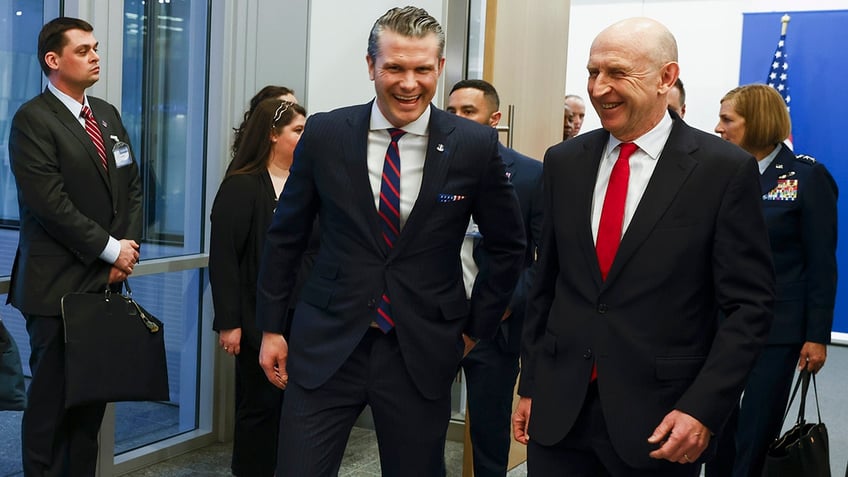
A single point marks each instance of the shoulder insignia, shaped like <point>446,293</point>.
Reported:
<point>806,158</point>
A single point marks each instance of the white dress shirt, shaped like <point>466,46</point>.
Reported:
<point>642,165</point>
<point>413,149</point>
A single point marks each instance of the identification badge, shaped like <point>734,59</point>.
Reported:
<point>121,151</point>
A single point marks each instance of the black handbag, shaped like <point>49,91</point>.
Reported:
<point>12,387</point>
<point>114,350</point>
<point>802,450</point>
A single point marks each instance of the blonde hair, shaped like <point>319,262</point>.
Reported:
<point>767,121</point>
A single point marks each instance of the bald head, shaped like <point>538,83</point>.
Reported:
<point>632,65</point>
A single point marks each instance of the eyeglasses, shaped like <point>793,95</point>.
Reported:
<point>284,106</point>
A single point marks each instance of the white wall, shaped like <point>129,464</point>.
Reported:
<point>337,74</point>
<point>709,37</point>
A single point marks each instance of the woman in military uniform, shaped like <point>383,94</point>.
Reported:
<point>799,205</point>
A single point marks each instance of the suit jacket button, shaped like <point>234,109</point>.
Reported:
<point>588,354</point>
<point>372,303</point>
<point>602,308</point>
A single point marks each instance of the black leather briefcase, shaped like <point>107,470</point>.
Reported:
<point>114,350</point>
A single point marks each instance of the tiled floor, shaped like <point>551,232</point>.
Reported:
<point>360,460</point>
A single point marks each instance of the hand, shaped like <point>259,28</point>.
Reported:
<point>116,275</point>
<point>272,357</point>
<point>469,344</point>
<point>506,314</point>
<point>813,356</point>
<point>521,419</point>
<point>681,437</point>
<point>230,340</point>
<point>128,257</point>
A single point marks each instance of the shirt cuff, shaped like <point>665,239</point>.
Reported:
<point>112,250</point>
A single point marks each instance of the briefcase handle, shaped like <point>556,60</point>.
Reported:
<point>803,382</point>
<point>150,324</point>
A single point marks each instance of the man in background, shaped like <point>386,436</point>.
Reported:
<point>492,366</point>
<point>651,229</point>
<point>567,123</point>
<point>79,195</point>
<point>383,319</point>
<point>677,98</point>
<point>578,109</point>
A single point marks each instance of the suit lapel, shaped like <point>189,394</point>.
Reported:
<point>106,132</point>
<point>673,167</point>
<point>436,165</point>
<point>355,146</point>
<point>77,130</point>
<point>586,170</point>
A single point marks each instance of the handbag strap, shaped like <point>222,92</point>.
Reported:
<point>792,399</point>
<point>150,324</point>
<point>816,392</point>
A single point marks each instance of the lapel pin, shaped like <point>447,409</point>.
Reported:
<point>778,166</point>
<point>440,147</point>
<point>103,123</point>
<point>508,175</point>
<point>114,138</point>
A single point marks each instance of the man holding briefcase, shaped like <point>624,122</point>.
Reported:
<point>79,195</point>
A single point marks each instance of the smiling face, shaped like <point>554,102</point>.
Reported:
<point>405,72</point>
<point>629,78</point>
<point>77,65</point>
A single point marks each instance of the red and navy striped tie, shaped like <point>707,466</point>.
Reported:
<point>389,211</point>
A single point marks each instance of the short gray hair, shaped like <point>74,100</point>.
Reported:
<point>406,21</point>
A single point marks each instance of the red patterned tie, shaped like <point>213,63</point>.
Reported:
<point>94,133</point>
<point>389,211</point>
<point>612,215</point>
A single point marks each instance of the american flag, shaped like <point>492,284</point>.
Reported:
<point>779,73</point>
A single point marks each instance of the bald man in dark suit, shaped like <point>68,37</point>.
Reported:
<point>651,228</point>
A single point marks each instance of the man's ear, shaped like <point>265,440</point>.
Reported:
<point>371,66</point>
<point>668,76</point>
<point>495,118</point>
<point>51,58</point>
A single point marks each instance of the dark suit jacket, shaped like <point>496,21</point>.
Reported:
<point>241,214</point>
<point>697,244</point>
<point>422,273</point>
<point>525,174</point>
<point>69,206</point>
<point>799,203</point>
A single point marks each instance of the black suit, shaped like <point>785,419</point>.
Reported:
<point>334,353</point>
<point>799,203</point>
<point>697,244</point>
<point>492,366</point>
<point>69,206</point>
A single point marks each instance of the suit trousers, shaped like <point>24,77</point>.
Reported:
<point>316,423</point>
<point>586,451</point>
<point>490,374</point>
<point>760,414</point>
<point>257,420</point>
<point>55,441</point>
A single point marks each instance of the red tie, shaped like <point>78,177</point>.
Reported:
<point>612,215</point>
<point>94,133</point>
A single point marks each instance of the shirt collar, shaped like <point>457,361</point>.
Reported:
<point>417,127</point>
<point>763,165</point>
<point>652,142</point>
<point>73,105</point>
